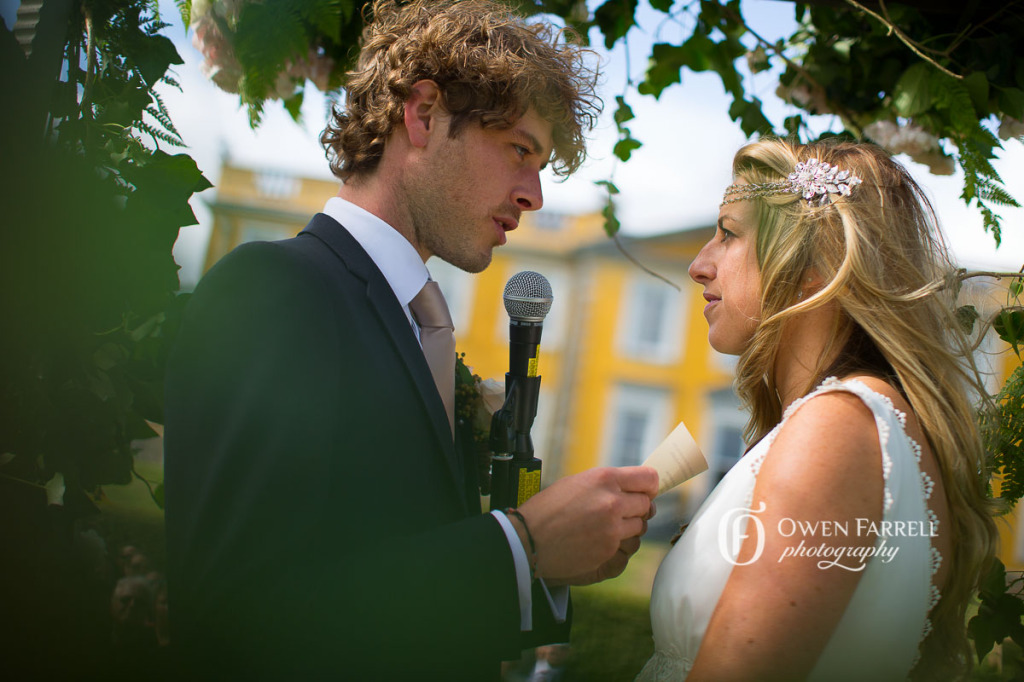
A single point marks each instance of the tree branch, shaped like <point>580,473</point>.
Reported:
<point>903,37</point>
<point>634,261</point>
<point>963,274</point>
<point>848,117</point>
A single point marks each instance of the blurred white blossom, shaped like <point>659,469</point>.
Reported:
<point>1010,127</point>
<point>212,22</point>
<point>914,141</point>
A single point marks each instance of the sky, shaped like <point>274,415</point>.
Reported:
<point>672,182</point>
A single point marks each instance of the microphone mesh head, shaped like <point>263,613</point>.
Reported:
<point>527,296</point>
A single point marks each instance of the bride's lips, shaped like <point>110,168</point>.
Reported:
<point>712,300</point>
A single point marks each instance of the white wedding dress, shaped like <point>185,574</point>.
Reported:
<point>887,617</point>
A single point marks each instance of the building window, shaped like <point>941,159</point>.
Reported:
<point>650,326</point>
<point>639,419</point>
<point>549,221</point>
<point>727,446</point>
<point>253,230</point>
<point>277,185</point>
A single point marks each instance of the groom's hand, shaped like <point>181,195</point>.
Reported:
<point>586,527</point>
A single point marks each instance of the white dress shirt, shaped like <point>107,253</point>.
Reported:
<point>406,273</point>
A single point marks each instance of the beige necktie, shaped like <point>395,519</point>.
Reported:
<point>437,336</point>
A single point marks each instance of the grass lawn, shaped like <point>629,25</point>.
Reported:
<point>611,635</point>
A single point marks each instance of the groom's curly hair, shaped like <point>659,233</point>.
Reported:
<point>489,64</point>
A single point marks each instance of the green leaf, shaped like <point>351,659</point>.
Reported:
<point>664,68</point>
<point>723,57</point>
<point>912,92</point>
<point>611,221</point>
<point>1016,287</point>
<point>293,105</point>
<point>993,583</point>
<point>967,315</point>
<point>615,18</point>
<point>1009,325</point>
<point>752,119</point>
<point>152,55</point>
<point>662,5</point>
<point>1011,101</point>
<point>158,495</point>
<point>624,148</point>
<point>792,124</point>
<point>977,85</point>
<point>623,113</point>
<point>980,629</point>
<point>608,185</point>
<point>326,15</point>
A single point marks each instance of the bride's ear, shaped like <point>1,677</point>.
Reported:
<point>810,282</point>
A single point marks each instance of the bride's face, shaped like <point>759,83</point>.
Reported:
<point>727,269</point>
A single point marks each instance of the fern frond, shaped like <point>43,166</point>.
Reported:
<point>1003,432</point>
<point>161,114</point>
<point>158,134</point>
<point>185,10</point>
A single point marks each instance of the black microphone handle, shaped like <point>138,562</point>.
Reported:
<point>524,348</point>
<point>523,379</point>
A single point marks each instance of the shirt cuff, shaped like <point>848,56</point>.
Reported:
<point>558,600</point>
<point>522,566</point>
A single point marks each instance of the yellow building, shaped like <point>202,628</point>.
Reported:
<point>624,356</point>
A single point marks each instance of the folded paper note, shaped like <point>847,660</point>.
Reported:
<point>677,459</point>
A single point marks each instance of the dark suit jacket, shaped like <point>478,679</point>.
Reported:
<point>320,521</point>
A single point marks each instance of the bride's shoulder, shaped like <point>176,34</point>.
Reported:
<point>827,435</point>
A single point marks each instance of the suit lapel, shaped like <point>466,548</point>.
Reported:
<point>392,318</point>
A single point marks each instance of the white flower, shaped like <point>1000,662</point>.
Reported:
<point>492,392</point>
<point>914,141</point>
<point>219,63</point>
<point>1010,127</point>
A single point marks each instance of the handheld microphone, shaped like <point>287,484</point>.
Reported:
<point>515,472</point>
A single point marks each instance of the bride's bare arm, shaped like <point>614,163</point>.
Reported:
<point>820,483</point>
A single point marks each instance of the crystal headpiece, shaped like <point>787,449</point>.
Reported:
<point>811,179</point>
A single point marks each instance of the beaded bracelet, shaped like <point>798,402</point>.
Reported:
<point>512,511</point>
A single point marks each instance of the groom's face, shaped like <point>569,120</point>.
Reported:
<point>476,186</point>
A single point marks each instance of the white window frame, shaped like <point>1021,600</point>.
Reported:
<point>655,403</point>
<point>668,348</point>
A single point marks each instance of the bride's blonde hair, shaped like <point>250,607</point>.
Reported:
<point>882,261</point>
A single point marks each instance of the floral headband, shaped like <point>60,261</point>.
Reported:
<point>811,178</point>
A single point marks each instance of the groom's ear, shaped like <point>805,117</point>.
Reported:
<point>424,113</point>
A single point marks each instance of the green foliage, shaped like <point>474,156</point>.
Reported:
<point>92,215</point>
<point>715,46</point>
<point>615,18</point>
<point>1009,325</point>
<point>627,144</point>
<point>325,31</point>
<point>1003,431</point>
<point>1001,612</point>
<point>920,68</point>
<point>611,220</point>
